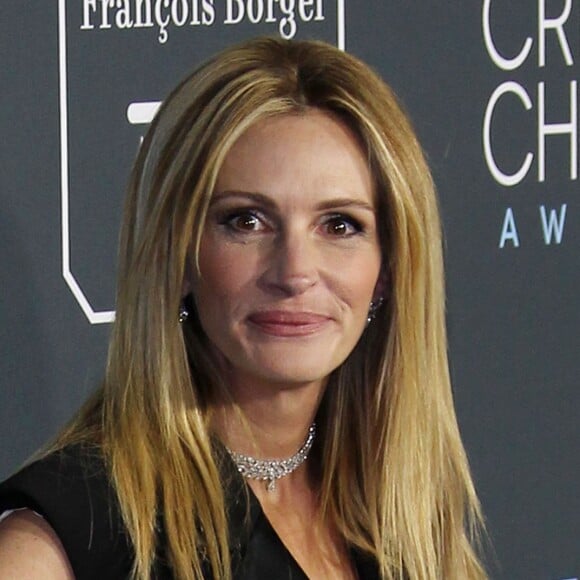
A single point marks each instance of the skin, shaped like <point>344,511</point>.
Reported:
<point>290,261</point>
<point>291,231</point>
<point>30,549</point>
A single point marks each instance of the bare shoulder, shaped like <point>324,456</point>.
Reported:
<point>30,549</point>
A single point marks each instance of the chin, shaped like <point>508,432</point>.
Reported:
<point>289,381</point>
<point>295,370</point>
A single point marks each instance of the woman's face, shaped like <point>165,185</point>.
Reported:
<point>290,256</point>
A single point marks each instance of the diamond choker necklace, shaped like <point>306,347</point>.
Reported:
<point>269,470</point>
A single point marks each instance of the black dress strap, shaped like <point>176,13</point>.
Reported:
<point>70,490</point>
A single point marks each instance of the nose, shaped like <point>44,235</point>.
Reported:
<point>293,264</point>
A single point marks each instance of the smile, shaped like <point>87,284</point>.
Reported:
<point>284,323</point>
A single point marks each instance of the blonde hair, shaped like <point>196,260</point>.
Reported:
<point>394,474</point>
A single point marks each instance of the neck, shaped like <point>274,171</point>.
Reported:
<point>267,421</point>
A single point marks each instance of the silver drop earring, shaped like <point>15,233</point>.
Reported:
<point>373,308</point>
<point>183,314</point>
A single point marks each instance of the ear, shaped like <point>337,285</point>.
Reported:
<point>186,285</point>
<point>382,285</point>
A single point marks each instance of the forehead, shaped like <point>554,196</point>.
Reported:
<point>311,153</point>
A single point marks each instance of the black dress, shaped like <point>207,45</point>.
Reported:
<point>71,490</point>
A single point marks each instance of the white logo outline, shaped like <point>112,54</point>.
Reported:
<point>137,113</point>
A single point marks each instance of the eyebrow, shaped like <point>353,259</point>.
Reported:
<point>334,203</point>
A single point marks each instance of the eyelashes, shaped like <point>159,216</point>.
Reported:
<point>243,221</point>
<point>248,221</point>
<point>342,225</point>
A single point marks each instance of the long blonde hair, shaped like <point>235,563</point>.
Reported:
<point>394,475</point>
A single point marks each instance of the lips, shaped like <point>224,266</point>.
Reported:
<point>288,323</point>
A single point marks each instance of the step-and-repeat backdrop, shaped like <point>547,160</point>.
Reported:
<point>492,87</point>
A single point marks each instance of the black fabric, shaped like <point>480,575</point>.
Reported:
<point>71,490</point>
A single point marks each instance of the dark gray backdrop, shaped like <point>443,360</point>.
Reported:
<point>513,312</point>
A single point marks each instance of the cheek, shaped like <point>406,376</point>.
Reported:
<point>225,275</point>
<point>359,281</point>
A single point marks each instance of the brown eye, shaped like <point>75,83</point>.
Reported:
<point>243,221</point>
<point>336,228</point>
<point>341,226</point>
<point>247,222</point>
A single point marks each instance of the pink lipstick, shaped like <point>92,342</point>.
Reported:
<point>285,323</point>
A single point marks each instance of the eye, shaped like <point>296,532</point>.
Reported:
<point>243,221</point>
<point>341,226</point>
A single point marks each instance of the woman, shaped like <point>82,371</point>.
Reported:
<point>282,206</point>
